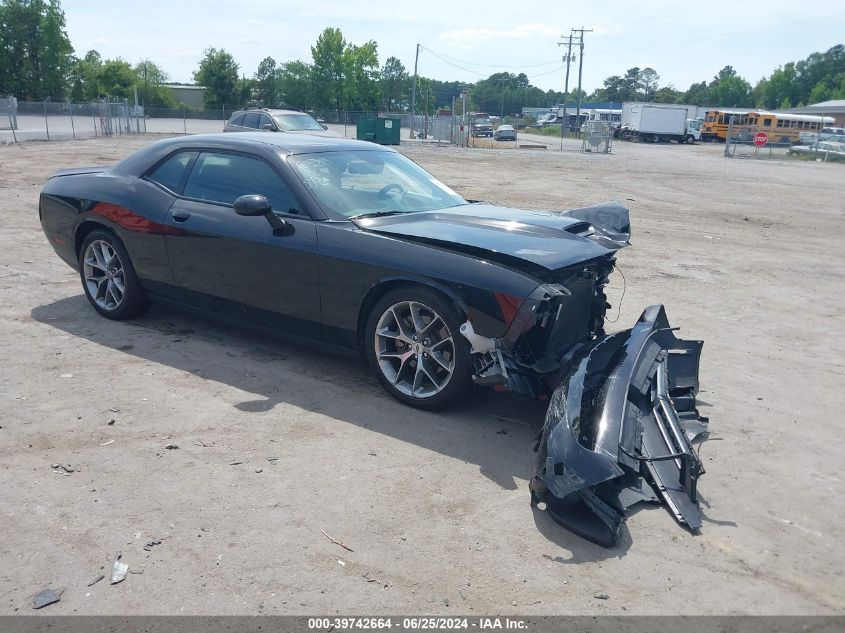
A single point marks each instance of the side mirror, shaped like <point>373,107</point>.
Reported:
<point>324,126</point>
<point>267,126</point>
<point>252,205</point>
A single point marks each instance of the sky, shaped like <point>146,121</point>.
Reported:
<point>685,42</point>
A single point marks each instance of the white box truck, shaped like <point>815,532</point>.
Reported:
<point>656,124</point>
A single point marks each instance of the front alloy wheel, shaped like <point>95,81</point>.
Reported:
<point>414,345</point>
<point>415,349</point>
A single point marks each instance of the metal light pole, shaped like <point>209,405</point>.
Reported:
<point>414,93</point>
<point>46,122</point>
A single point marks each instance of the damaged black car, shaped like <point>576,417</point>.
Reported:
<point>355,245</point>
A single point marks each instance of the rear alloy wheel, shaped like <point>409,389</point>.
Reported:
<point>108,277</point>
<point>414,345</point>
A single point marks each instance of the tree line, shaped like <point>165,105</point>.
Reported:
<point>37,61</point>
<point>819,77</point>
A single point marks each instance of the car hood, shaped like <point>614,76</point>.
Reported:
<point>329,133</point>
<point>520,238</point>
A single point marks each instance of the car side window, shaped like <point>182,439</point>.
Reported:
<point>265,120</point>
<point>222,178</point>
<point>172,172</point>
<point>251,120</point>
<point>238,120</point>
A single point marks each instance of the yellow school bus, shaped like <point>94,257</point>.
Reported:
<point>782,128</point>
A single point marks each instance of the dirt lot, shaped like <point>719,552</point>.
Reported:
<point>746,255</point>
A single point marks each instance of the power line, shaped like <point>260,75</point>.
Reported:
<point>480,74</point>
<point>465,61</point>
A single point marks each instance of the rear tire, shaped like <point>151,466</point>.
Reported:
<point>108,277</point>
<point>413,344</point>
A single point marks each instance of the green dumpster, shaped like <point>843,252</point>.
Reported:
<point>381,130</point>
<point>366,130</point>
<point>387,130</point>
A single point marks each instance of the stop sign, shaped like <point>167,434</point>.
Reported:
<point>760,139</point>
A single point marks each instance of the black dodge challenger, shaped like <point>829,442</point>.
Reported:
<point>355,245</point>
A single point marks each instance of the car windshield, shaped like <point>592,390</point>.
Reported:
<point>296,122</point>
<point>364,182</point>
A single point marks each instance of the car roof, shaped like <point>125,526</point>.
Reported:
<point>288,143</point>
<point>270,111</point>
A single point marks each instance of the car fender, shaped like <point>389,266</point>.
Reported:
<point>378,289</point>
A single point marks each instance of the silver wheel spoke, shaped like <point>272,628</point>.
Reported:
<point>92,261</point>
<point>422,365</point>
<point>430,328</point>
<point>418,378</point>
<point>402,329</point>
<point>440,361</point>
<point>416,318</point>
<point>387,333</point>
<point>441,343</point>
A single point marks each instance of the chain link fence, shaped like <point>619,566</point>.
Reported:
<point>50,120</point>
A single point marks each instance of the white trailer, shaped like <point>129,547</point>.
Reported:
<point>655,124</point>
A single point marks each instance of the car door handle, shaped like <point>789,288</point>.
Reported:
<point>181,216</point>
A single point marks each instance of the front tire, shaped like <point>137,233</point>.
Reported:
<point>413,344</point>
<point>108,277</point>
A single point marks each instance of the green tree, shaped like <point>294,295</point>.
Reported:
<point>150,78</point>
<point>36,56</point>
<point>218,72</point>
<point>84,77</point>
<point>729,89</point>
<point>267,83</point>
<point>117,78</point>
<point>698,94</point>
<point>647,83</point>
<point>613,89</point>
<point>394,84</point>
<point>361,76</point>
<point>668,94</point>
<point>295,85</point>
<point>328,69</point>
<point>781,87</point>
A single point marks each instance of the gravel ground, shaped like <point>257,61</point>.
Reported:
<point>278,442</point>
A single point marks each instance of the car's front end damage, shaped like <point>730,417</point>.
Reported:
<point>622,414</point>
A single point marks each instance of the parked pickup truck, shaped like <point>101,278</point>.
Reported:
<point>480,124</point>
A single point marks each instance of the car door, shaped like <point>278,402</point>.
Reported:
<point>237,265</point>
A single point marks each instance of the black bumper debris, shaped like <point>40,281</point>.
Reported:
<point>619,430</point>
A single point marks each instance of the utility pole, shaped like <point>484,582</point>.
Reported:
<point>414,94</point>
<point>582,30</point>
<point>563,121</point>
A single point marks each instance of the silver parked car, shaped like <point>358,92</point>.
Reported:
<point>822,151</point>
<point>504,133</point>
<point>272,120</point>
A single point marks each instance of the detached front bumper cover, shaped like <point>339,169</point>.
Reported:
<point>619,431</point>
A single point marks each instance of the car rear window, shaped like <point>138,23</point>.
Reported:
<point>219,177</point>
<point>171,173</point>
